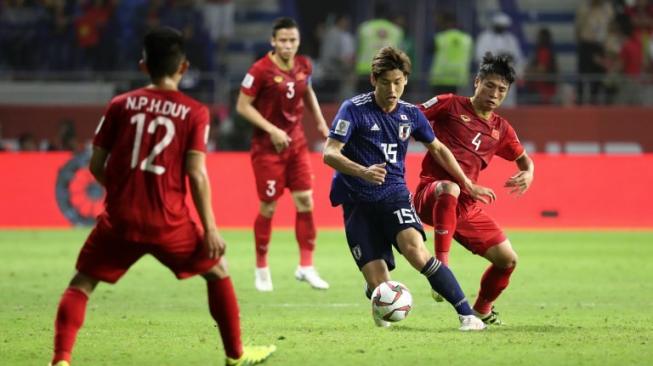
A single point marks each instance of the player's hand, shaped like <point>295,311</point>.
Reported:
<point>280,139</point>
<point>323,130</point>
<point>520,182</point>
<point>375,174</point>
<point>480,193</point>
<point>215,244</point>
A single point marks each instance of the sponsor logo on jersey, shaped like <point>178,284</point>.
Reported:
<point>342,127</point>
<point>277,79</point>
<point>404,131</point>
<point>248,81</point>
<point>465,118</point>
<point>375,127</point>
<point>495,134</point>
<point>430,102</point>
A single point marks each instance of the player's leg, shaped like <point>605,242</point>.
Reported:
<point>70,315</point>
<point>444,217</point>
<point>496,278</point>
<point>104,257</point>
<point>480,234</point>
<point>439,276</point>
<point>305,233</point>
<point>269,172</point>
<point>375,272</point>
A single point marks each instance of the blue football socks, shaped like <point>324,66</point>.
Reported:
<point>444,282</point>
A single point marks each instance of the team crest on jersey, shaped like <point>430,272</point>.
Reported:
<point>357,252</point>
<point>495,134</point>
<point>404,131</point>
<point>342,127</point>
<point>465,118</point>
<point>277,79</point>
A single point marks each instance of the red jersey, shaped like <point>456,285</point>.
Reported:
<point>471,139</point>
<point>147,133</point>
<point>279,97</point>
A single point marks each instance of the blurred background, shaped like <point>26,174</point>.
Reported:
<point>62,60</point>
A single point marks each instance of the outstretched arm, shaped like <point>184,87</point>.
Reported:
<point>334,158</point>
<point>310,100</point>
<point>201,192</point>
<point>521,181</point>
<point>245,108</point>
<point>445,159</point>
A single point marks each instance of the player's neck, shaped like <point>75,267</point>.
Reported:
<point>281,63</point>
<point>485,114</point>
<point>165,84</point>
<point>387,107</point>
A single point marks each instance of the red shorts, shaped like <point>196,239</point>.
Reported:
<point>106,256</point>
<point>274,172</point>
<point>475,229</point>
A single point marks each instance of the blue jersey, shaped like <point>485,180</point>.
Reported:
<point>372,136</point>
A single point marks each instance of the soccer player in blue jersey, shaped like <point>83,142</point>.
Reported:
<point>367,147</point>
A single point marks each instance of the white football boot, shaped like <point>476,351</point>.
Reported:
<point>470,322</point>
<point>310,275</point>
<point>263,279</point>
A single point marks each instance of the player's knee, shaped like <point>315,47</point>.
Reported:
<point>447,187</point>
<point>84,283</point>
<point>219,271</point>
<point>509,260</point>
<point>304,202</point>
<point>267,208</point>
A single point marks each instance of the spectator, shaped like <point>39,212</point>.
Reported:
<point>372,35</point>
<point>593,18</point>
<point>26,142</point>
<point>89,29</point>
<point>500,41</point>
<point>542,69</point>
<point>337,57</point>
<point>452,57</point>
<point>219,22</point>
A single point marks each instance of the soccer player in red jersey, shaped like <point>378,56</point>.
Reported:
<point>472,130</point>
<point>146,144</point>
<point>272,97</point>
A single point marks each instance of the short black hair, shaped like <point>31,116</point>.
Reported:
<point>163,51</point>
<point>283,23</point>
<point>388,59</point>
<point>499,65</point>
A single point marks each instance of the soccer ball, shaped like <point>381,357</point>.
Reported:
<point>391,301</point>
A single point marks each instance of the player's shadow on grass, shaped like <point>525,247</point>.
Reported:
<point>503,329</point>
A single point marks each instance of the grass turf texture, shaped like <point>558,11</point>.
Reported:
<point>577,298</point>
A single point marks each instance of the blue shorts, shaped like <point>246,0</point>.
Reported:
<point>372,229</point>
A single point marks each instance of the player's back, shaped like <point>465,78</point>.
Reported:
<point>147,133</point>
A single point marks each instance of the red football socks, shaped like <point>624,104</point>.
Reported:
<point>493,282</point>
<point>223,306</point>
<point>262,232</point>
<point>70,317</point>
<point>444,218</point>
<point>305,233</point>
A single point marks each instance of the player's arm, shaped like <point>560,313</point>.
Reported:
<point>97,166</point>
<point>245,107</point>
<point>201,192</point>
<point>521,181</point>
<point>310,100</point>
<point>444,157</point>
<point>334,158</point>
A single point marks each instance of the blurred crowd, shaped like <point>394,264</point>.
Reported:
<point>613,45</point>
<point>102,35</point>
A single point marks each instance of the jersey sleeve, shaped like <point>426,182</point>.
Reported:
<point>344,122</point>
<point>252,82</point>
<point>433,107</point>
<point>510,148</point>
<point>423,131</point>
<point>199,131</point>
<point>105,132</point>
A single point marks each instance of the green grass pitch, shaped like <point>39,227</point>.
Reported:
<point>577,298</point>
